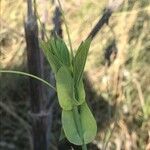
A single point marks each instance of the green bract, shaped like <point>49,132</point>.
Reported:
<point>70,127</point>
<point>51,57</point>
<point>78,123</point>
<point>88,125</point>
<point>61,51</point>
<point>80,60</point>
<point>65,90</point>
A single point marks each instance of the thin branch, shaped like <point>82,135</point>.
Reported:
<point>112,6</point>
<point>103,20</point>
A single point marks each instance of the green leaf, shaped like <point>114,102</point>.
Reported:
<point>80,60</point>
<point>52,59</point>
<point>60,50</point>
<point>70,128</point>
<point>88,122</point>
<point>64,85</point>
<point>63,51</point>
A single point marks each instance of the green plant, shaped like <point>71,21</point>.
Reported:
<point>78,122</point>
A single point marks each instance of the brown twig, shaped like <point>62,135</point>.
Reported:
<point>112,6</point>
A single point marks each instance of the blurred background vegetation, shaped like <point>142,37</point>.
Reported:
<point>118,87</point>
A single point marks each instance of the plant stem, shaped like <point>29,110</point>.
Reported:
<point>29,75</point>
<point>84,147</point>
<point>67,29</point>
<point>79,126</point>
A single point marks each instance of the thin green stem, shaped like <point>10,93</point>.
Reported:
<point>29,75</point>
<point>84,147</point>
<point>67,29</point>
